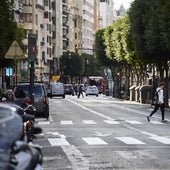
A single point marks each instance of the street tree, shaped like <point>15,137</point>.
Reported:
<point>92,65</point>
<point>72,65</point>
<point>7,31</point>
<point>149,25</point>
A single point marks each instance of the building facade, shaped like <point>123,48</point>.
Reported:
<point>60,26</point>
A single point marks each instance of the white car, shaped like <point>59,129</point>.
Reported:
<point>92,90</point>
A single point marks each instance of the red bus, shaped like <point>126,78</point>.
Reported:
<point>98,81</point>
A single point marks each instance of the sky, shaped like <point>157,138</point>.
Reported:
<point>125,3</point>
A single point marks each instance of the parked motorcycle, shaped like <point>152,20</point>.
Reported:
<point>27,113</point>
<point>28,116</point>
<point>25,156</point>
<point>16,154</point>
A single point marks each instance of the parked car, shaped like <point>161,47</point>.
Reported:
<point>69,89</point>
<point>41,102</point>
<point>57,89</point>
<point>92,90</point>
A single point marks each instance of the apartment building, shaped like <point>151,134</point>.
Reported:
<point>106,12</point>
<point>37,19</point>
<point>60,25</point>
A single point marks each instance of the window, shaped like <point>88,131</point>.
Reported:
<point>26,17</point>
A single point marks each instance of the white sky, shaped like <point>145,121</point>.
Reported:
<point>125,3</point>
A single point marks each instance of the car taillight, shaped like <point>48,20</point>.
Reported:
<point>44,100</point>
<point>28,101</point>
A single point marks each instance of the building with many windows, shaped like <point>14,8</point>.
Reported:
<point>60,25</point>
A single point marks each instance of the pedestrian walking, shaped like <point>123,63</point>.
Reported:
<point>80,91</point>
<point>160,103</point>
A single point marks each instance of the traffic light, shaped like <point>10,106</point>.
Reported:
<point>32,47</point>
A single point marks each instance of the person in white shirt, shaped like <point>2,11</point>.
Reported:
<point>160,104</point>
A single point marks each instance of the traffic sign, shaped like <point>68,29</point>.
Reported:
<point>15,51</point>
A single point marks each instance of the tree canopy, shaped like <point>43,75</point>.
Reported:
<point>7,31</point>
<point>149,26</point>
<point>72,64</point>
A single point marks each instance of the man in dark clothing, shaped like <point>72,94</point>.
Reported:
<point>80,91</point>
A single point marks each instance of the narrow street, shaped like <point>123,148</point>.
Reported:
<point>103,133</point>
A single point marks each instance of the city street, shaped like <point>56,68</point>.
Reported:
<point>102,133</point>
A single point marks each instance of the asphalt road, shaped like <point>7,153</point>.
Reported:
<point>101,133</point>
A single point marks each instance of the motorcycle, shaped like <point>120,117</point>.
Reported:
<point>27,113</point>
<point>28,116</point>
<point>25,156</point>
<point>16,154</point>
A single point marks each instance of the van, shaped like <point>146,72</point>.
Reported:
<point>57,89</point>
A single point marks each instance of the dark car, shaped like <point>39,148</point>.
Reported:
<point>41,102</point>
<point>69,89</point>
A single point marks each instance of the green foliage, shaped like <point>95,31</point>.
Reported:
<point>100,48</point>
<point>19,34</point>
<point>92,66</point>
<point>72,64</point>
<point>149,25</point>
<point>8,32</point>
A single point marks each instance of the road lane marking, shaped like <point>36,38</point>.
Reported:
<point>91,122</point>
<point>109,118</point>
<point>92,111</point>
<point>134,122</point>
<point>156,122</point>
<point>161,139</point>
<point>58,141</point>
<point>43,123</point>
<point>130,140</point>
<point>94,141</point>
<point>66,122</point>
<point>112,122</point>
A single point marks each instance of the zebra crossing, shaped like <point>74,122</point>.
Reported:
<point>57,139</point>
<point>96,141</point>
<point>108,121</point>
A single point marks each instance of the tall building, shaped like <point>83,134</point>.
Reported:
<point>88,14</point>
<point>106,12</point>
<point>37,19</point>
<point>60,25</point>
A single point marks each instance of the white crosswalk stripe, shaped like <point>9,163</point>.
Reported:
<point>133,122</point>
<point>113,122</point>
<point>58,141</point>
<point>43,123</point>
<point>66,122</point>
<point>89,122</point>
<point>161,139</point>
<point>94,141</point>
<point>156,122</point>
<point>130,140</point>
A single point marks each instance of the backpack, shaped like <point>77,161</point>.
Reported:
<point>155,98</point>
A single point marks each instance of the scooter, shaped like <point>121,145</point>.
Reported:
<point>16,154</point>
<point>25,156</point>
<point>28,116</point>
